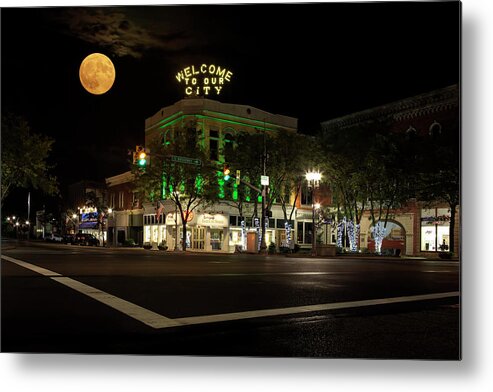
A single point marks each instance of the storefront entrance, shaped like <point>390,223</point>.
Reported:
<point>197,237</point>
<point>216,239</point>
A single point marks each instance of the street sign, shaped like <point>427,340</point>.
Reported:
<point>264,180</point>
<point>186,160</point>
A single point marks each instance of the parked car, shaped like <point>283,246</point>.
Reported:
<point>86,239</point>
<point>68,239</point>
<point>53,237</point>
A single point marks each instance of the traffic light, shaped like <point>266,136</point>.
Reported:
<point>226,172</point>
<point>140,157</point>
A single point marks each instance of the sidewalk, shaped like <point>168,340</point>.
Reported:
<point>372,257</point>
<point>13,245</point>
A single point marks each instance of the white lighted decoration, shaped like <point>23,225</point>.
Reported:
<point>379,233</point>
<point>204,79</point>
<point>243,235</point>
<point>287,228</point>
<point>353,235</point>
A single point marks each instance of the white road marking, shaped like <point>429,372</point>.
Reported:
<point>158,321</point>
<point>309,308</point>
<point>32,267</point>
<point>139,313</point>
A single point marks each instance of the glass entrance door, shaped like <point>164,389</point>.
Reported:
<point>198,237</point>
<point>216,239</point>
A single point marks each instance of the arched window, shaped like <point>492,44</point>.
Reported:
<point>435,129</point>
<point>411,131</point>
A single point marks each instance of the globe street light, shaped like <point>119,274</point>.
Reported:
<point>313,178</point>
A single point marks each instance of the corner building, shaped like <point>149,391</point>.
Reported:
<point>217,125</point>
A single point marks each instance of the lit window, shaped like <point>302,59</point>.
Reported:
<point>435,229</point>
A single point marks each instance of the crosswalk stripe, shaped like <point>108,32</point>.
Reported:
<point>158,321</point>
<point>139,313</point>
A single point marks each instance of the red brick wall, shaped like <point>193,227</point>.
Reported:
<point>126,188</point>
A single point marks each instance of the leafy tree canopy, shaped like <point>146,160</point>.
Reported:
<point>24,158</point>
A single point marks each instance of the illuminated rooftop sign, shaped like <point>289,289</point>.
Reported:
<point>204,79</point>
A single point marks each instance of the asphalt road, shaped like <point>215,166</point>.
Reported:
<point>72,299</point>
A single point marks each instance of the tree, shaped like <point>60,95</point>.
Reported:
<point>188,186</point>
<point>345,152</point>
<point>24,158</point>
<point>439,174</point>
<point>285,158</point>
<point>289,159</point>
<point>372,174</point>
<point>246,157</point>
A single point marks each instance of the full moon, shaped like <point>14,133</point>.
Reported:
<point>97,73</point>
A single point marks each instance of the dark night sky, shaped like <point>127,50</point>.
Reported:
<point>310,61</point>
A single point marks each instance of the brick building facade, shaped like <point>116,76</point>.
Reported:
<point>418,228</point>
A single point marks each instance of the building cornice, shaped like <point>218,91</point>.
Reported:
<point>405,109</point>
<point>203,108</point>
<point>120,179</point>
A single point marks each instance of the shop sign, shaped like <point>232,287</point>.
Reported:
<point>435,220</point>
<point>89,216</point>
<point>204,79</point>
<point>212,220</point>
<point>191,215</point>
<point>303,215</point>
<point>170,217</point>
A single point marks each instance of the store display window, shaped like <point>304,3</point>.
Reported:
<point>435,230</point>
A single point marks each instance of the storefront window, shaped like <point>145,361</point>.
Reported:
<point>435,229</point>
<point>308,232</point>
<point>304,233</point>
<point>147,234</point>
<point>299,238</point>
<point>154,232</point>
<point>162,237</point>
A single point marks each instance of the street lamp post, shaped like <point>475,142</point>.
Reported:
<point>313,179</point>
<point>176,220</point>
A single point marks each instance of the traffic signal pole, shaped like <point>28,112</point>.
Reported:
<point>263,192</point>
